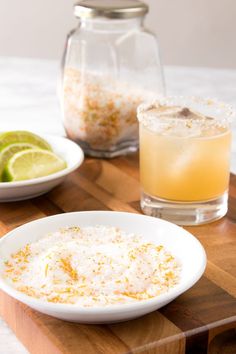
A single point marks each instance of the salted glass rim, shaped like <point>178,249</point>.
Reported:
<point>221,113</point>
<point>192,102</point>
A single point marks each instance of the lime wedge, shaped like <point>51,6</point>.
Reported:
<point>32,163</point>
<point>7,152</point>
<point>21,136</point>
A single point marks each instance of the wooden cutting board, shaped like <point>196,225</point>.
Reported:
<point>202,320</point>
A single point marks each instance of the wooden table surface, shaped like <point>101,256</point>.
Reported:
<point>202,320</point>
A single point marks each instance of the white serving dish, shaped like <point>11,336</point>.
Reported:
<point>184,246</point>
<point>67,149</point>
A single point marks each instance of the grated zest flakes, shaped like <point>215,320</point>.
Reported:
<point>92,266</point>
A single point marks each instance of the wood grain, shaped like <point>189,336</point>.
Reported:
<point>202,320</point>
<point>151,334</point>
<point>223,343</point>
<point>220,277</point>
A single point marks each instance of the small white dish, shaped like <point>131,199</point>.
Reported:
<point>184,246</point>
<point>65,148</point>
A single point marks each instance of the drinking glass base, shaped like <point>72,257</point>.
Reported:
<point>185,213</point>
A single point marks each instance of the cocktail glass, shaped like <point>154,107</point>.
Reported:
<point>185,162</point>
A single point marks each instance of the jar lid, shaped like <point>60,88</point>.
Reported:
<point>119,9</point>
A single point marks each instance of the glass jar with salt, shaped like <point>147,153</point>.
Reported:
<point>110,65</point>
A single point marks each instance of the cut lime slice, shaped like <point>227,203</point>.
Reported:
<point>32,163</point>
<point>7,152</point>
<point>21,136</point>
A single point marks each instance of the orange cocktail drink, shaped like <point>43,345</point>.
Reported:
<point>184,159</point>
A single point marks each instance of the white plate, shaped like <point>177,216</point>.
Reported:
<point>184,246</point>
<point>67,149</point>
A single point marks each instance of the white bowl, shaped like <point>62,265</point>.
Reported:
<point>184,246</point>
<point>65,148</point>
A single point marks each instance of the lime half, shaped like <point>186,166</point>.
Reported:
<point>21,136</point>
<point>32,163</point>
<point>7,152</point>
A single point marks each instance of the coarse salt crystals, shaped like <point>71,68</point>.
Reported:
<point>92,266</point>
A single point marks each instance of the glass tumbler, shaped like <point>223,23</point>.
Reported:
<point>185,159</point>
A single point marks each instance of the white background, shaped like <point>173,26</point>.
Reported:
<point>190,32</point>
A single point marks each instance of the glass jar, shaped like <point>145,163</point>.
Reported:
<point>111,64</point>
